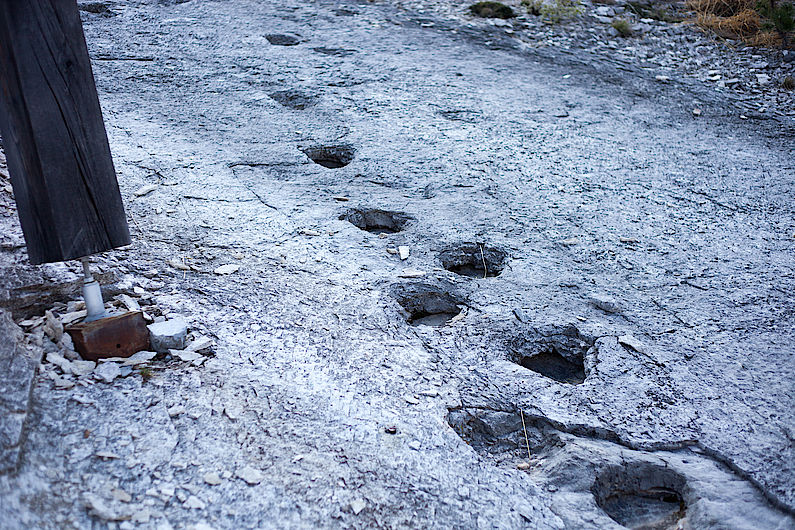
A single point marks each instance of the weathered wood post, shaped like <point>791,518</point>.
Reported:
<point>55,141</point>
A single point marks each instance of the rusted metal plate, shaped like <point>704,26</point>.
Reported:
<point>116,336</point>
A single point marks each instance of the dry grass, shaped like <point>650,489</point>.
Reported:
<point>720,8</point>
<point>735,19</point>
<point>743,25</point>
<point>765,39</point>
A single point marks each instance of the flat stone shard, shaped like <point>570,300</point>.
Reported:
<point>194,503</point>
<point>168,335</point>
<point>17,370</point>
<point>227,269</point>
<point>100,509</point>
<point>605,303</point>
<point>107,372</point>
<point>631,342</point>
<point>213,479</point>
<point>53,327</point>
<point>141,357</point>
<point>250,476</point>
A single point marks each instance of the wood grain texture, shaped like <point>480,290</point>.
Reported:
<point>55,140</point>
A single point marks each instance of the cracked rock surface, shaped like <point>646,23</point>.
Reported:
<point>354,385</point>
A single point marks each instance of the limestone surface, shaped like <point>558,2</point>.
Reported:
<point>592,326</point>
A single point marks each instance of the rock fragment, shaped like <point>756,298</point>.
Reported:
<point>107,372</point>
<point>98,508</point>
<point>200,343</point>
<point>250,476</point>
<point>129,302</point>
<point>141,516</point>
<point>357,505</point>
<point>140,357</point>
<point>145,190</point>
<point>170,334</point>
<point>82,368</point>
<point>212,478</point>
<point>58,360</point>
<point>121,495</point>
<point>186,355</point>
<point>227,269</point>
<point>411,273</point>
<point>72,317</point>
<point>194,503</point>
<point>631,342</point>
<point>605,303</point>
<point>53,327</point>
<point>176,410</point>
<point>176,264</point>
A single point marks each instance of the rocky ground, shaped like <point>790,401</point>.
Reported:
<point>669,46</point>
<point>452,274</point>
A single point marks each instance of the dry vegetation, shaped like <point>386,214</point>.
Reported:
<point>758,23</point>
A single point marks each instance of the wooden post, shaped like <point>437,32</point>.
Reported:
<point>55,141</point>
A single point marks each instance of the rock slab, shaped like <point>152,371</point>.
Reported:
<point>168,335</point>
<point>17,370</point>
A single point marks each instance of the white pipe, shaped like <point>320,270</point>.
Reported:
<point>92,294</point>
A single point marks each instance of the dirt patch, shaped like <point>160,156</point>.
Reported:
<point>642,495</point>
<point>376,221</point>
<point>426,304</point>
<point>556,352</point>
<point>294,99</point>
<point>277,39</point>
<point>474,260</point>
<point>330,156</point>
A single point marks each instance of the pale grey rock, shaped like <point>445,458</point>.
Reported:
<point>129,302</point>
<point>169,334</point>
<point>331,357</point>
<point>81,368</point>
<point>194,503</point>
<point>107,372</point>
<point>632,342</point>
<point>141,357</point>
<point>200,343</point>
<point>186,355</point>
<point>103,510</point>
<point>605,303</point>
<point>176,410</point>
<point>18,363</point>
<point>212,478</point>
<point>53,327</point>
<point>250,476</point>
<point>121,495</point>
<point>141,516</point>
<point>58,360</point>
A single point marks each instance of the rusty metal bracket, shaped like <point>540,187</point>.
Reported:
<point>115,336</point>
